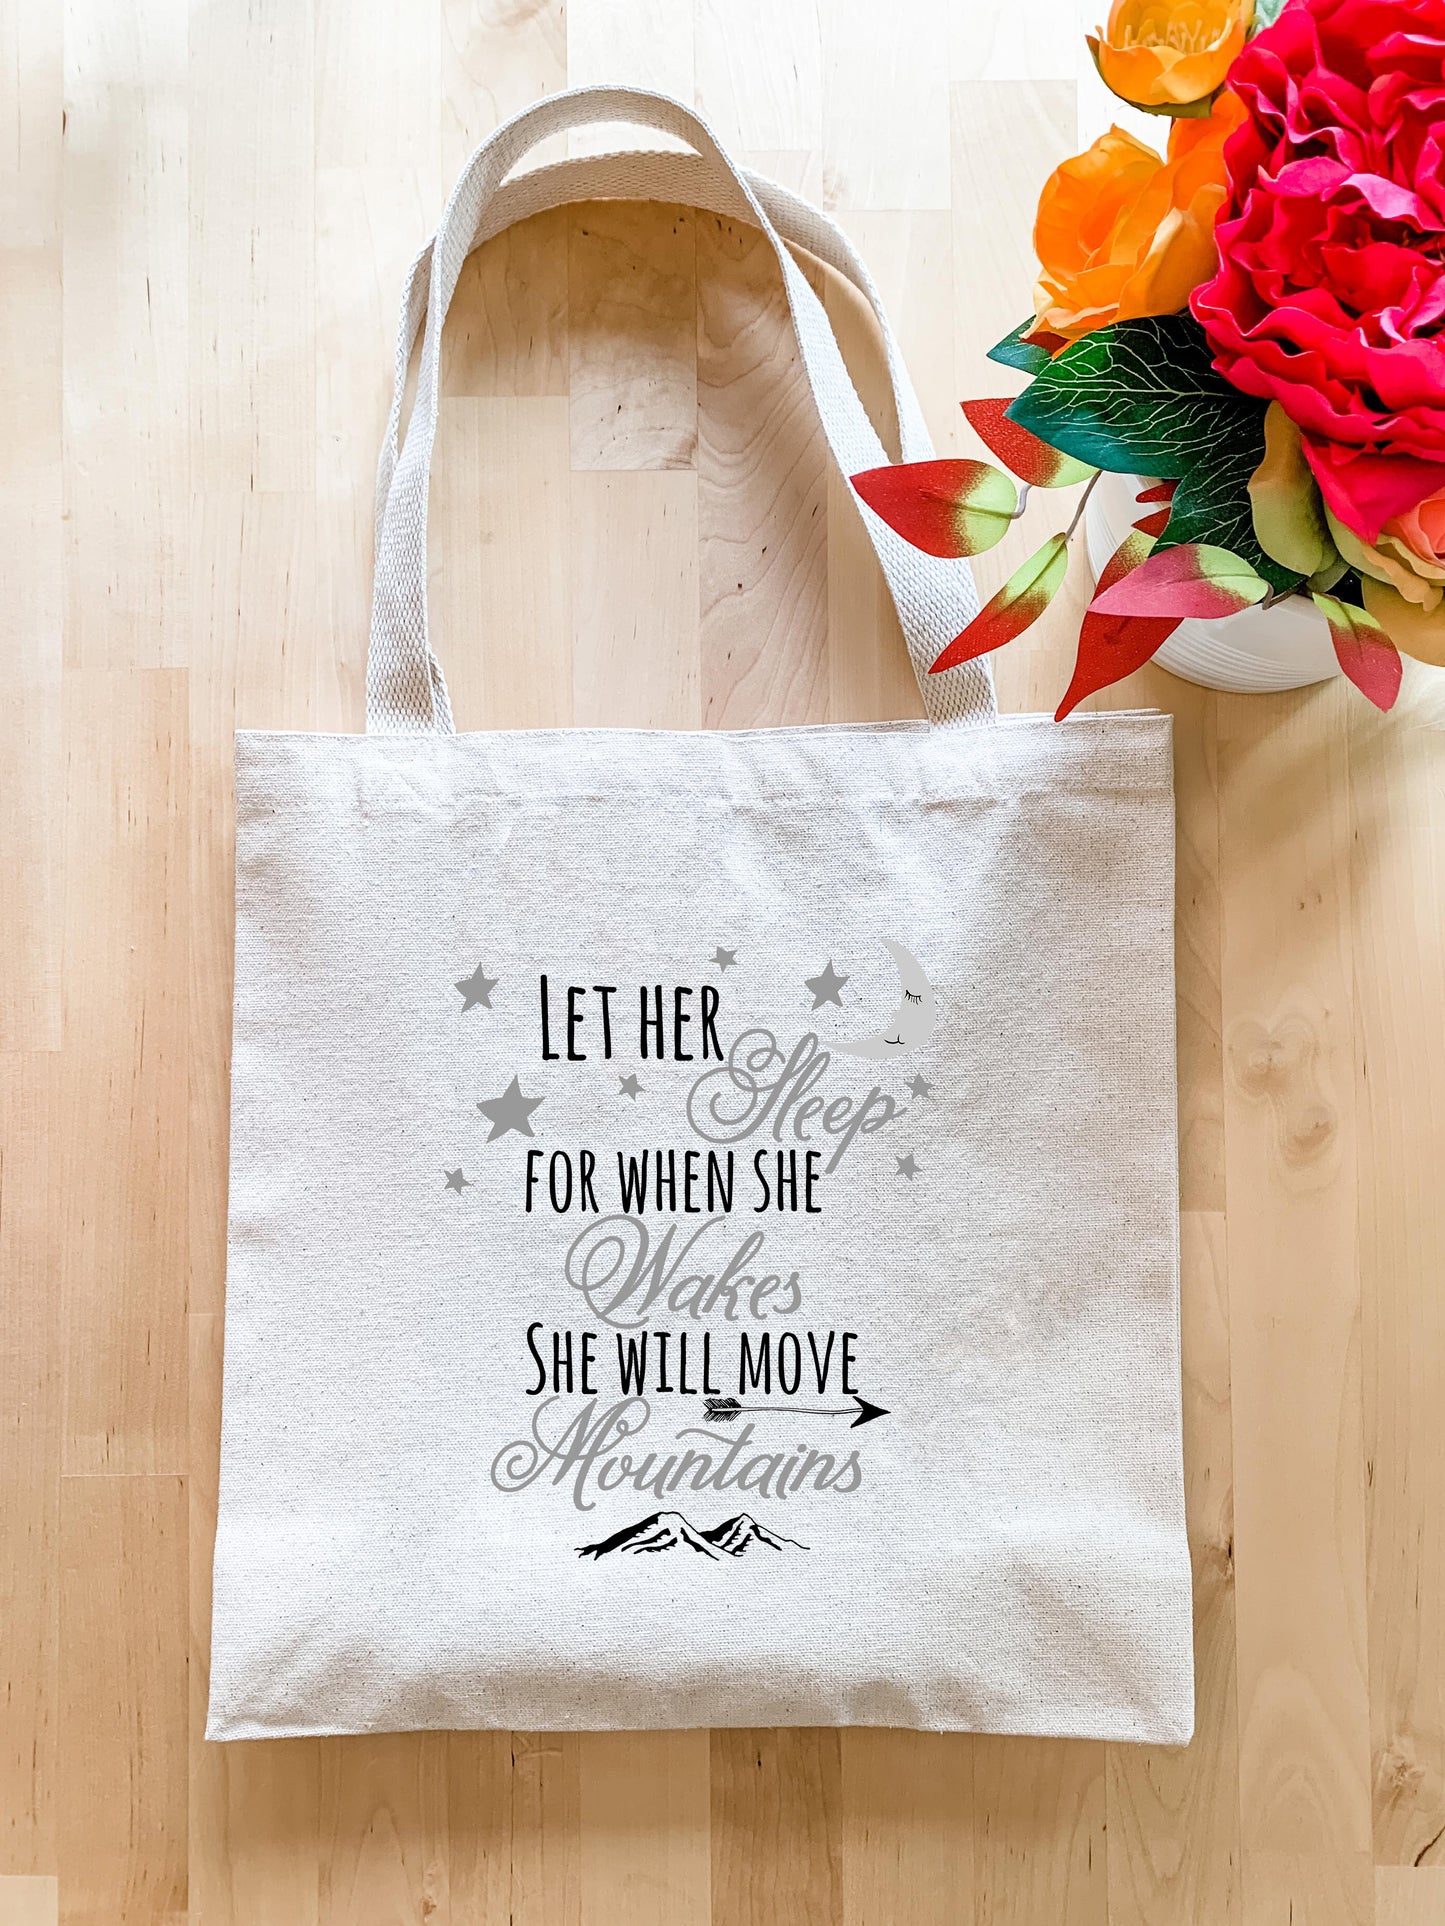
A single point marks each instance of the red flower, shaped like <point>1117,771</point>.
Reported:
<point>1330,293</point>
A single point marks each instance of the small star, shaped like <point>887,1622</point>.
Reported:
<point>724,958</point>
<point>920,1087</point>
<point>458,1183</point>
<point>630,1087</point>
<point>510,1111</point>
<point>477,988</point>
<point>825,986</point>
<point>908,1166</point>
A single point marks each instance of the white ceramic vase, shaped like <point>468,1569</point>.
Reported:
<point>1284,647</point>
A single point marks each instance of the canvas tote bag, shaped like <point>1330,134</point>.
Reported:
<point>703,1236</point>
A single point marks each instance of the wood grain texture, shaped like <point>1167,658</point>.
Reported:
<point>205,216</point>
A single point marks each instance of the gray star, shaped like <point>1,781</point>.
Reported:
<point>825,986</point>
<point>458,1183</point>
<point>908,1166</point>
<point>724,958</point>
<point>477,988</point>
<point>510,1111</point>
<point>630,1087</point>
<point>920,1087</point>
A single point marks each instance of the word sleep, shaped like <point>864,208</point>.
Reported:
<point>762,1087</point>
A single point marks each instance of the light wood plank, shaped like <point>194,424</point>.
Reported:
<point>1290,1153</point>
<point>759,66</point>
<point>1007,137</point>
<point>31,1430</point>
<point>29,1899</point>
<point>479,1826</point>
<point>31,871</point>
<point>632,329</point>
<point>32,85</point>
<point>252,175</point>
<point>762,493</point>
<point>125,253</point>
<point>777,1828</point>
<point>496,60</point>
<point>121,1795</point>
<point>631,43</point>
<point>1174,1847</point>
<point>643,1814</point>
<point>508,329</point>
<point>907,1841</point>
<point>1040,1832</point>
<point>501,600</point>
<point>384,1817</point>
<point>893,80</point>
<point>635,661</point>
<point>1405,1896</point>
<point>121,1115</point>
<point>31,518</point>
<point>377,75</point>
<point>368,222</point>
<point>546,1887</point>
<point>1399,939</point>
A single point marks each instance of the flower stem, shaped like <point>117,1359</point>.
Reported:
<point>1083,503</point>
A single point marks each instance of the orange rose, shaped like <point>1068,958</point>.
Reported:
<point>1402,576</point>
<point>1121,233</point>
<point>1167,54</point>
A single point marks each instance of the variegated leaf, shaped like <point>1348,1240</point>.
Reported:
<point>947,508</point>
<point>1020,602</point>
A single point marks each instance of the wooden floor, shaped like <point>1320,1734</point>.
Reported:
<point>204,220</point>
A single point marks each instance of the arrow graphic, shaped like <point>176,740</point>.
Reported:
<point>724,1410</point>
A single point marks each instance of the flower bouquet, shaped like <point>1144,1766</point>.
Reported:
<point>1254,323</point>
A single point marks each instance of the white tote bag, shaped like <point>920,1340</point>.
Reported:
<point>703,1219</point>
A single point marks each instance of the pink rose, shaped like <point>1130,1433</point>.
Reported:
<point>1330,293</point>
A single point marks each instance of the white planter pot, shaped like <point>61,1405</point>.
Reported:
<point>1284,647</point>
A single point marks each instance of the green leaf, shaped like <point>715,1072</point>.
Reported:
<point>1190,110</point>
<point>1142,398</point>
<point>1325,579</point>
<point>1014,352</point>
<point>1266,12</point>
<point>1284,498</point>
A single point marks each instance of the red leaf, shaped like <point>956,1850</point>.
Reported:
<point>1160,492</point>
<point>1020,450</point>
<point>1363,650</point>
<point>1113,646</point>
<point>947,508</point>
<point>1018,604</point>
<point>1049,342</point>
<point>1156,523</point>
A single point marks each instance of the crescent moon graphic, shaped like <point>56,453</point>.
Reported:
<point>911,1024</point>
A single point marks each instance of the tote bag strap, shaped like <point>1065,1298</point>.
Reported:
<point>406,691</point>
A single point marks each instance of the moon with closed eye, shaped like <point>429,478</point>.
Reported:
<point>911,1024</point>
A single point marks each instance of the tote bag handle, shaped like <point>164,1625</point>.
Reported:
<point>406,691</point>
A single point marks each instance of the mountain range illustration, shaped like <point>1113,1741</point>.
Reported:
<point>667,1530</point>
